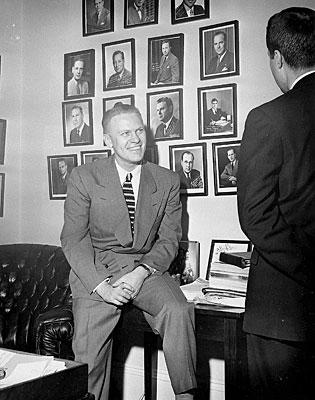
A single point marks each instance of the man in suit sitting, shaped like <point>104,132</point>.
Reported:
<point>229,174</point>
<point>120,248</point>
<point>188,9</point>
<point>276,203</point>
<point>190,178</point>
<point>81,133</point>
<point>170,125</point>
<point>224,59</point>
<point>169,65</point>
<point>214,114</point>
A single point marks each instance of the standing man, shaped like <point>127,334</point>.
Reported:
<point>170,125</point>
<point>60,185</point>
<point>229,174</point>
<point>77,84</point>
<point>189,177</point>
<point>121,232</point>
<point>276,203</point>
<point>81,132</point>
<point>169,65</point>
<point>100,19</point>
<point>188,9</point>
<point>223,61</point>
<point>122,76</point>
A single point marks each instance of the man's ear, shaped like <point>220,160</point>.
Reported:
<point>107,140</point>
<point>279,59</point>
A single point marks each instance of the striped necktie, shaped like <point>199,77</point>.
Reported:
<point>130,199</point>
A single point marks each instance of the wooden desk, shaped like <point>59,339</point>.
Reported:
<point>219,335</point>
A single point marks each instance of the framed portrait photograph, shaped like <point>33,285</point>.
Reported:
<point>59,169</point>
<point>219,50</point>
<point>227,246</point>
<point>190,162</point>
<point>97,16</point>
<point>189,10</point>
<point>79,74</point>
<point>225,166</point>
<point>140,12</point>
<point>2,180</point>
<point>110,102</point>
<point>165,115</point>
<point>77,118</point>
<point>217,116</point>
<point>119,65</point>
<point>166,60</point>
<point>185,267</point>
<point>94,155</point>
<point>3,129</point>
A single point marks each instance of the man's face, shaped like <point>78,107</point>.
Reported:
<point>163,112</point>
<point>165,49</point>
<point>214,105</point>
<point>187,163</point>
<point>219,44</point>
<point>62,167</point>
<point>139,3</point>
<point>77,70</point>
<point>231,155</point>
<point>77,117</point>
<point>189,3</point>
<point>99,5</point>
<point>126,135</point>
<point>118,63</point>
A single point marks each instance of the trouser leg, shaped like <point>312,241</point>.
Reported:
<point>94,323</point>
<point>168,313</point>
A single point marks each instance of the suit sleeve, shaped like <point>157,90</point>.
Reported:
<point>169,233</point>
<point>75,237</point>
<point>260,164</point>
<point>175,70</point>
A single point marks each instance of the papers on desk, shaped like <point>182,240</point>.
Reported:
<point>21,367</point>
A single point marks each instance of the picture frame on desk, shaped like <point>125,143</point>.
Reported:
<point>225,175</point>
<point>3,130</point>
<point>185,268</point>
<point>147,15</point>
<point>59,170</point>
<point>229,246</point>
<point>2,181</point>
<point>217,111</point>
<point>200,10</point>
<point>97,17</point>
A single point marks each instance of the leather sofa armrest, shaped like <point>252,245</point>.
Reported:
<point>53,332</point>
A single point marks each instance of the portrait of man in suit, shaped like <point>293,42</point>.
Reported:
<point>81,132</point>
<point>140,12</point>
<point>77,84</point>
<point>188,8</point>
<point>170,125</point>
<point>190,178</point>
<point>98,16</point>
<point>59,170</point>
<point>122,76</point>
<point>61,177</point>
<point>122,226</point>
<point>229,174</point>
<point>169,65</point>
<point>223,59</point>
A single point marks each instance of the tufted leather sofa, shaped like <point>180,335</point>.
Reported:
<point>35,300</point>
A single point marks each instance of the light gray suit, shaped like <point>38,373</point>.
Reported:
<point>98,243</point>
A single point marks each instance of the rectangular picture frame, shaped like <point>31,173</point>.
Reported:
<point>164,71</point>
<point>228,246</point>
<point>199,10</point>
<point>2,185</point>
<point>94,155</point>
<point>185,268</point>
<point>148,13</point>
<point>79,74</point>
<point>59,170</point>
<point>165,107</point>
<point>109,102</point>
<point>3,130</point>
<point>217,111</point>
<point>190,158</point>
<point>77,115</point>
<point>97,19</point>
<point>119,65</point>
<point>220,40</point>
<point>225,177</point>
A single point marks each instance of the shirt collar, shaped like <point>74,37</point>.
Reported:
<point>301,77</point>
<point>222,55</point>
<point>122,172</point>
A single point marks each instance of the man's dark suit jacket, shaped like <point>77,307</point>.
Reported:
<point>276,202</point>
<point>194,182</point>
<point>211,116</point>
<point>85,137</point>
<point>181,11</point>
<point>173,129</point>
<point>225,65</point>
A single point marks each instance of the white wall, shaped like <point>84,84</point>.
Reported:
<point>52,28</point>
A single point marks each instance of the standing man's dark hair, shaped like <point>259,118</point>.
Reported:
<point>276,204</point>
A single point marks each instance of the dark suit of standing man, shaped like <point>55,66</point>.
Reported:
<point>276,202</point>
<point>169,65</point>
<point>188,9</point>
<point>113,264</point>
